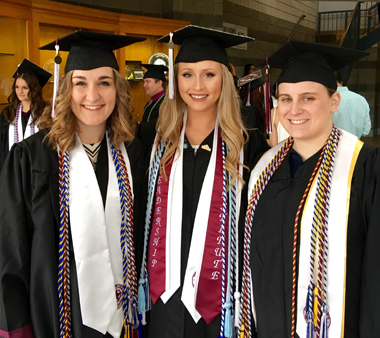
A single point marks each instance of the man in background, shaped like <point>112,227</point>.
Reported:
<point>353,111</point>
<point>154,85</point>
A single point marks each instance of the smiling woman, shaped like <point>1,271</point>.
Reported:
<point>93,99</point>
<point>71,205</point>
<point>312,226</point>
<point>305,110</point>
<point>195,185</point>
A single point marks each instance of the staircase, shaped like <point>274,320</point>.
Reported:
<point>357,29</point>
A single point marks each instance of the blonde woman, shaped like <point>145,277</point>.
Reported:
<point>70,201</point>
<point>196,176</point>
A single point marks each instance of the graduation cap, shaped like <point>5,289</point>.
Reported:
<point>200,44</point>
<point>90,50</point>
<point>155,71</point>
<point>87,50</point>
<point>28,67</point>
<point>251,82</point>
<point>249,78</point>
<point>305,61</point>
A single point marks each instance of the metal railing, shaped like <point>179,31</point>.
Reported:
<point>333,25</point>
<point>370,17</point>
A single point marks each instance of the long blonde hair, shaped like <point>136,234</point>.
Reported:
<point>121,123</point>
<point>231,125</point>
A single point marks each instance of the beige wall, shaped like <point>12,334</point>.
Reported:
<point>271,23</point>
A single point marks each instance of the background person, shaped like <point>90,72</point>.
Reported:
<point>253,108</point>
<point>353,111</point>
<point>19,120</point>
<point>249,68</point>
<point>154,85</point>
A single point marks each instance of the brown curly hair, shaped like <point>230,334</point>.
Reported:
<point>35,95</point>
<point>121,123</point>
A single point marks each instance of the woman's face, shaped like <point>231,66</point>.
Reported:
<point>200,85</point>
<point>305,110</point>
<point>22,90</point>
<point>93,96</point>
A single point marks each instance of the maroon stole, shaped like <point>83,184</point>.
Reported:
<point>209,286</point>
<point>157,240</point>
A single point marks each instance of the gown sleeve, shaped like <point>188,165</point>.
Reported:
<point>364,247</point>
<point>15,238</point>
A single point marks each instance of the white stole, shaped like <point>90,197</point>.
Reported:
<point>21,136</point>
<point>337,233</point>
<point>174,225</point>
<point>337,238</point>
<point>198,239</point>
<point>96,240</point>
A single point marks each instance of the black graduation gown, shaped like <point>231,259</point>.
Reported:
<point>29,223</point>
<point>4,134</point>
<point>251,118</point>
<point>172,320</point>
<point>272,242</point>
<point>151,110</point>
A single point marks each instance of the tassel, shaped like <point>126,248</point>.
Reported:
<point>268,124</point>
<point>237,308</point>
<point>171,67</point>
<point>228,323</point>
<point>310,325</point>
<point>309,311</point>
<point>141,296</point>
<point>242,331</point>
<point>148,301</point>
<point>315,306</point>
<point>324,322</point>
<point>248,103</point>
<point>139,329</point>
<point>135,316</point>
<point>57,62</point>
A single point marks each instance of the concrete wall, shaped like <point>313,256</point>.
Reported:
<point>328,6</point>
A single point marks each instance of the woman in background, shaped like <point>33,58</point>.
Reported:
<point>19,120</point>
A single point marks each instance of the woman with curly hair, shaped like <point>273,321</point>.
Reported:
<point>198,165</point>
<point>70,205</point>
<point>19,120</point>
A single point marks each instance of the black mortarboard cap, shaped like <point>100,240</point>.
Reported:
<point>28,67</point>
<point>305,61</point>
<point>256,84</point>
<point>200,44</point>
<point>155,71</point>
<point>90,50</point>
